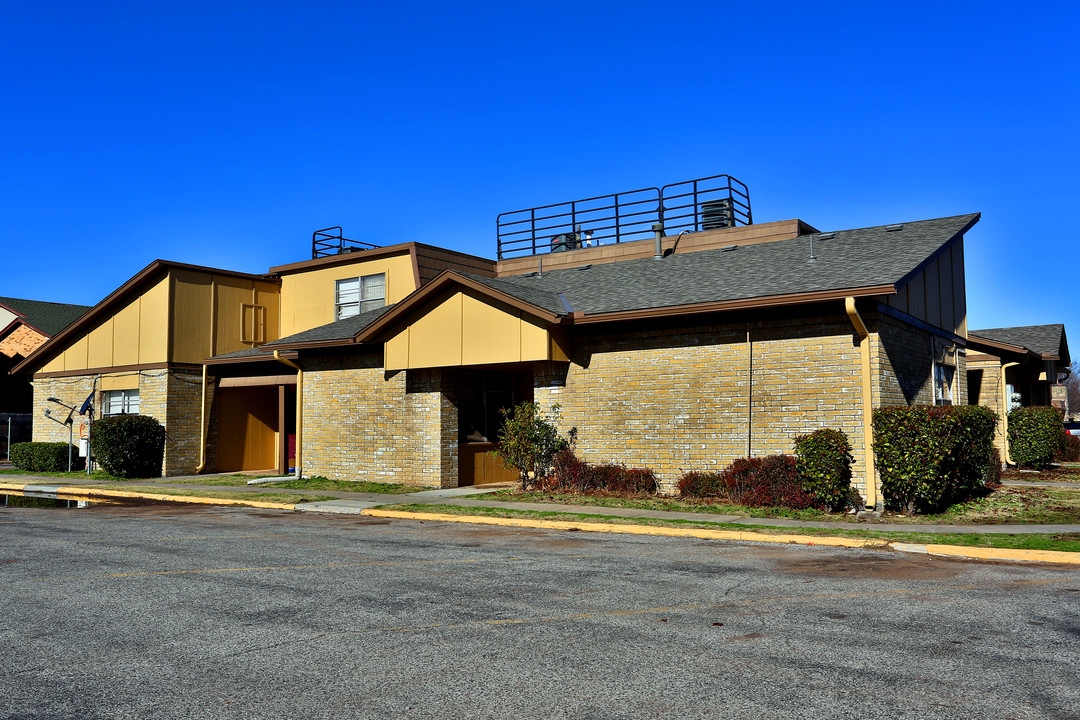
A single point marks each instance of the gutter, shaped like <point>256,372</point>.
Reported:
<point>299,408</point>
<point>1005,412</point>
<point>213,344</point>
<point>872,499</point>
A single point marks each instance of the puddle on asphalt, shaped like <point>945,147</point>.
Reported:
<point>42,500</point>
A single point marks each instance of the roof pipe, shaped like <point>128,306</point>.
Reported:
<point>1005,413</point>
<point>658,233</point>
<point>872,497</point>
<point>299,408</point>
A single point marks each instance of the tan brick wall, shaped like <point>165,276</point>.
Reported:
<point>902,364</point>
<point>361,423</point>
<point>698,398</point>
<point>171,397</point>
<point>987,373</point>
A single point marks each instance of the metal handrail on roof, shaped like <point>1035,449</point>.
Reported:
<point>326,242</point>
<point>694,205</point>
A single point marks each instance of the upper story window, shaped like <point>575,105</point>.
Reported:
<point>121,402</point>
<point>360,294</point>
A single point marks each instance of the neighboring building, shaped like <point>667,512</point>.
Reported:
<point>1016,367</point>
<point>25,325</point>
<point>683,352</point>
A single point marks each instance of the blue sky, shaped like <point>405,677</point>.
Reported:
<point>223,133</point>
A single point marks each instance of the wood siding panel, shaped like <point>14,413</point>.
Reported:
<point>959,289</point>
<point>191,316</point>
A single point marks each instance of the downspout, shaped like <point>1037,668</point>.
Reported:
<point>872,499</point>
<point>213,350</point>
<point>202,426</point>
<point>299,406</point>
<point>749,395</point>
<point>1005,412</point>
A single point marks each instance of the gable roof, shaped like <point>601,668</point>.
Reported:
<point>866,261</point>
<point>115,301</point>
<point>1047,341</point>
<point>48,318</point>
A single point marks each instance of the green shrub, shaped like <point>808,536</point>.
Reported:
<point>1069,450</point>
<point>571,473</point>
<point>529,440</point>
<point>1034,435</point>
<point>45,456</point>
<point>129,445</point>
<point>928,457</point>
<point>823,461</point>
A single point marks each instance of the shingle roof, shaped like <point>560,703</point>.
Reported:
<point>337,330</point>
<point>867,257</point>
<point>1043,339</point>
<point>48,317</point>
<point>850,259</point>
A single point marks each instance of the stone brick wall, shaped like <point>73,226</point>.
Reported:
<point>362,423</point>
<point>696,398</point>
<point>169,396</point>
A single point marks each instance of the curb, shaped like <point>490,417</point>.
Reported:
<point>75,492</point>
<point>958,551</point>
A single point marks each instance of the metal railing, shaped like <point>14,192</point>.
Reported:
<point>327,242</point>
<point>695,205</point>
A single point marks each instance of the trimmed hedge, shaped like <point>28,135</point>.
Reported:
<point>129,445</point>
<point>930,456</point>
<point>45,456</point>
<point>823,462</point>
<point>1034,435</point>
<point>571,473</point>
<point>770,481</point>
<point>1069,451</point>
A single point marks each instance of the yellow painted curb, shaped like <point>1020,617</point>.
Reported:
<point>632,529</point>
<point>962,551</point>
<point>99,492</point>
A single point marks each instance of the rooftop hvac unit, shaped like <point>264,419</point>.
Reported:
<point>717,214</point>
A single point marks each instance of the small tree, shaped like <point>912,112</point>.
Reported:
<point>529,441</point>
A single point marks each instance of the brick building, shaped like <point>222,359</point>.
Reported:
<point>677,351</point>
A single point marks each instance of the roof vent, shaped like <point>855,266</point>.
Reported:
<point>826,236</point>
<point>729,248</point>
<point>894,228</point>
<point>584,267</point>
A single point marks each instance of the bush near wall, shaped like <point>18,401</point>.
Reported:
<point>771,481</point>
<point>823,463</point>
<point>1070,448</point>
<point>573,474</point>
<point>1034,435</point>
<point>129,445</point>
<point>45,456</point>
<point>928,457</point>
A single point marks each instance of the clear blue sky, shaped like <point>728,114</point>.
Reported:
<point>223,133</point>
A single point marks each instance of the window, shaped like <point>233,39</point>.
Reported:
<point>121,402</point>
<point>357,295</point>
<point>943,384</point>
<point>252,324</point>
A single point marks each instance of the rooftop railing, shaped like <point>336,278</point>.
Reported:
<point>704,204</point>
<point>329,241</point>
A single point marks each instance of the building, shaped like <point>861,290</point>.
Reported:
<point>1016,367</point>
<point>678,337</point>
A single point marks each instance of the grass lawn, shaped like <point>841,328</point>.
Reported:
<point>1068,542</point>
<point>1007,504</point>
<point>312,483</point>
<point>1068,473</point>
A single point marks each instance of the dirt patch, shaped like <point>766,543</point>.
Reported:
<point>886,567</point>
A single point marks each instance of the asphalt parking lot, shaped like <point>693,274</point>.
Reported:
<point>174,612</point>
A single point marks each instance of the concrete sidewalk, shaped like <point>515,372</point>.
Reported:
<point>357,502</point>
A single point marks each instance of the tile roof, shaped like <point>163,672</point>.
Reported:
<point>1042,339</point>
<point>48,317</point>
